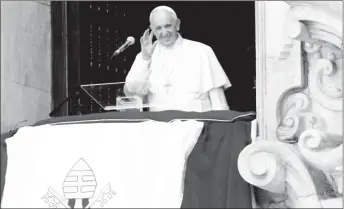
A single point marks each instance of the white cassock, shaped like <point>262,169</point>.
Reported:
<point>186,77</point>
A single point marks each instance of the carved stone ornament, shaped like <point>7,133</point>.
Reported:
<point>302,167</point>
<point>278,168</point>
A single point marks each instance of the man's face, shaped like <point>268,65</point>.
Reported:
<point>165,27</point>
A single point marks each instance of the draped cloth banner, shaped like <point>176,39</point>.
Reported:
<point>99,165</point>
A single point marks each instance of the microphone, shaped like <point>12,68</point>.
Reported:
<point>130,41</point>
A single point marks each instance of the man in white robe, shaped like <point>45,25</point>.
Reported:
<point>176,73</point>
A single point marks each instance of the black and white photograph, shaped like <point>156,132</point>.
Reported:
<point>171,104</point>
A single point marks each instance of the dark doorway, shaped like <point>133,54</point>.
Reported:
<point>96,29</point>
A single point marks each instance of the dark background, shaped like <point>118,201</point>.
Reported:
<point>91,31</point>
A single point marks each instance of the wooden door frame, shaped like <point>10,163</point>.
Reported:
<point>58,56</point>
<point>65,52</point>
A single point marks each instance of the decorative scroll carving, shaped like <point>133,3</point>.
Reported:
<point>324,151</point>
<point>295,117</point>
<point>307,171</point>
<point>324,85</point>
<point>277,167</point>
<point>297,30</point>
<point>321,32</point>
<point>324,65</point>
<point>326,20</point>
<point>321,150</point>
<point>288,77</point>
<point>325,75</point>
<point>289,125</point>
<point>300,119</point>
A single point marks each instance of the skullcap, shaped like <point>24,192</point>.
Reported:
<point>166,8</point>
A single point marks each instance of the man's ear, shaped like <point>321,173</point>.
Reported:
<point>178,24</point>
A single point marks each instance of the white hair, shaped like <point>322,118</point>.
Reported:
<point>166,8</point>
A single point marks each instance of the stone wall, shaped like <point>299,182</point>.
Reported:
<point>25,62</point>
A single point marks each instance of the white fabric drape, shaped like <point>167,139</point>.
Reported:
<point>114,165</point>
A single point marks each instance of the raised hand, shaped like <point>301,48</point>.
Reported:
<point>147,46</point>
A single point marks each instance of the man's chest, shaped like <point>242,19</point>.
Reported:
<point>179,69</point>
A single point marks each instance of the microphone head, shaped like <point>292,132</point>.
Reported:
<point>131,40</point>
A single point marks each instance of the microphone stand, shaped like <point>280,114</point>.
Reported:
<point>76,94</point>
<point>57,109</point>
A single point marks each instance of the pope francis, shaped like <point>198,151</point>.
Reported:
<point>175,73</point>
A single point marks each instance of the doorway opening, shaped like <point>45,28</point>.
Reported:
<point>229,28</point>
<point>96,29</point>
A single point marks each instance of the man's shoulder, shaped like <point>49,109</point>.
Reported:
<point>196,44</point>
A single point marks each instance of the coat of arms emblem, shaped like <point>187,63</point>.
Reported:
<point>79,189</point>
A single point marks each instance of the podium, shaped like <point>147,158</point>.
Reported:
<point>118,97</point>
